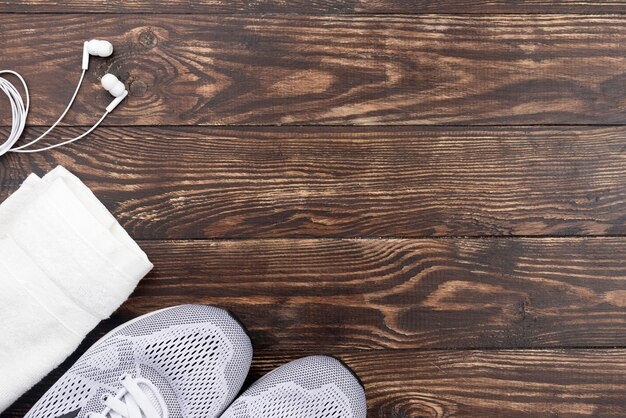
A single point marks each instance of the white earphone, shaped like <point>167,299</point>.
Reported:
<point>19,110</point>
<point>96,47</point>
<point>116,88</point>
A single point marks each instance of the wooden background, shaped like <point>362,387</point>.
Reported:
<point>433,191</point>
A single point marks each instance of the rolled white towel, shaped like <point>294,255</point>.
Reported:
<point>65,264</point>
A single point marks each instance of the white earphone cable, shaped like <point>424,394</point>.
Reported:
<point>19,113</point>
<point>18,110</point>
<point>80,82</point>
<point>69,141</point>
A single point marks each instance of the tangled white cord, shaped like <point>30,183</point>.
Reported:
<point>19,113</point>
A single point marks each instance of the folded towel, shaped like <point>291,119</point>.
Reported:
<point>65,264</point>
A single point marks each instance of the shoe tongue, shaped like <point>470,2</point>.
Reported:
<point>149,391</point>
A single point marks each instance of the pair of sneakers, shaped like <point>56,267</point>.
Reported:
<point>191,361</point>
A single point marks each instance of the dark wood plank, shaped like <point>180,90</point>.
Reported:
<point>489,6</point>
<point>269,70</point>
<point>315,6</point>
<point>373,294</point>
<point>349,182</point>
<point>506,384</point>
<point>334,295</point>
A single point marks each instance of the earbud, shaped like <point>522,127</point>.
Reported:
<point>97,48</point>
<point>117,89</point>
<point>113,85</point>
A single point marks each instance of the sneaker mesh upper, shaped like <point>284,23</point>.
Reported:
<point>312,387</point>
<point>197,356</point>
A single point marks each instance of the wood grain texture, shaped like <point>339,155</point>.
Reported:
<point>330,7</point>
<point>377,294</point>
<point>500,384</point>
<point>473,384</point>
<point>294,70</point>
<point>298,229</point>
<point>190,183</point>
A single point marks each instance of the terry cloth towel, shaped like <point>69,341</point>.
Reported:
<point>65,265</point>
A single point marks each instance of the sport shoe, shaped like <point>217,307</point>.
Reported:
<point>187,361</point>
<point>312,387</point>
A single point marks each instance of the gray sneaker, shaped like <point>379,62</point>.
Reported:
<point>187,361</point>
<point>312,387</point>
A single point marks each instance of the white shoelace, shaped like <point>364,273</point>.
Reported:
<point>132,402</point>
